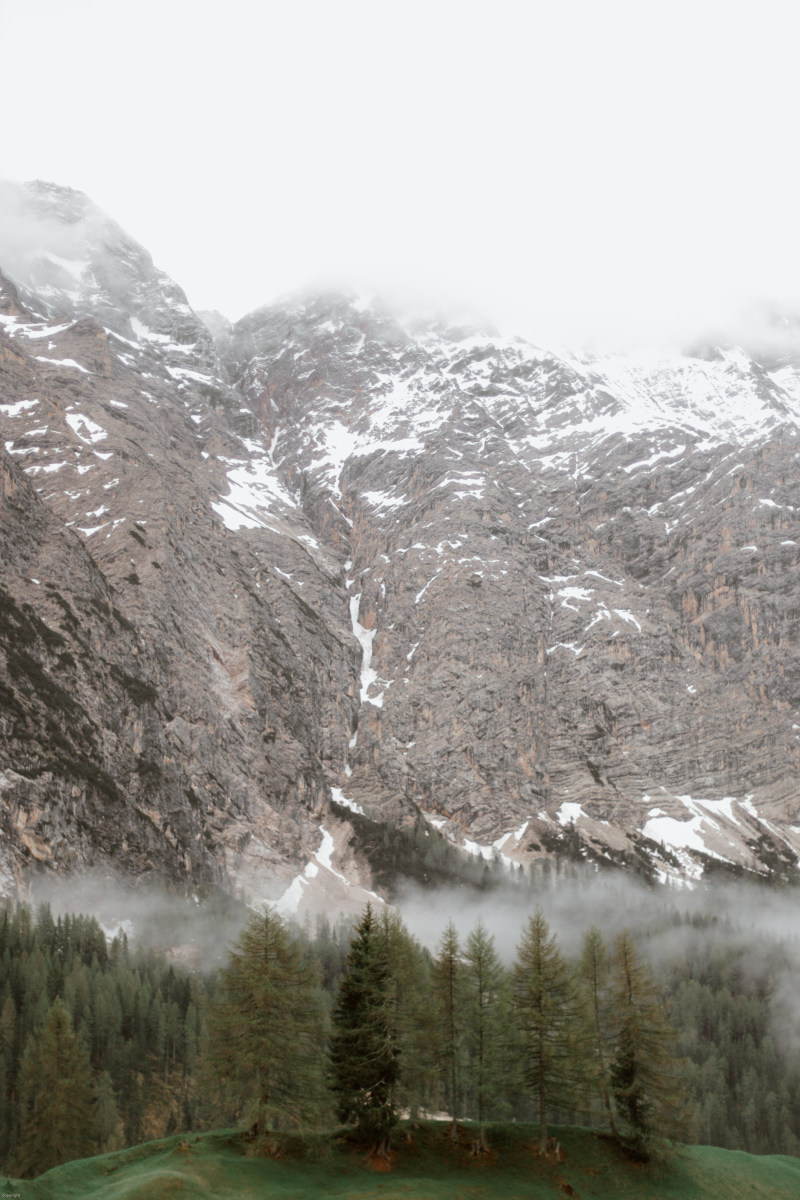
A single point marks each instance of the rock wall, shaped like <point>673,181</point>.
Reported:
<point>549,602</point>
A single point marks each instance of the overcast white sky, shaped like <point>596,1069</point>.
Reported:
<point>571,167</point>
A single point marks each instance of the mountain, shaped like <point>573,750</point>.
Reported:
<point>275,591</point>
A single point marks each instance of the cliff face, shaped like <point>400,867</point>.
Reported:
<point>327,554</point>
<point>575,580</point>
<point>218,690</point>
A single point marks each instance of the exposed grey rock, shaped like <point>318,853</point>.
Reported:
<point>549,602</point>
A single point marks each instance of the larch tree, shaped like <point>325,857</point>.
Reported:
<point>56,1093</point>
<point>644,1072</point>
<point>486,1022</point>
<point>364,1055</point>
<point>266,1030</point>
<point>448,980</point>
<point>551,1020</point>
<point>411,1013</point>
<point>594,971</point>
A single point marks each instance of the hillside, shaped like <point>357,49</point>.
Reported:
<point>338,561</point>
<point>216,1164</point>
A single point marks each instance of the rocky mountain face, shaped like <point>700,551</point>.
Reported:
<point>270,592</point>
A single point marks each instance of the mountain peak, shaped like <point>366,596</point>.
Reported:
<point>53,199</point>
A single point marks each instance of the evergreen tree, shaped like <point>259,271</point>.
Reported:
<point>266,1029</point>
<point>364,1055</point>
<point>593,970</point>
<point>114,1003</point>
<point>448,978</point>
<point>551,1020</point>
<point>8,1045</point>
<point>486,1022</point>
<point>412,1015</point>
<point>107,1121</point>
<point>55,1085</point>
<point>644,1070</point>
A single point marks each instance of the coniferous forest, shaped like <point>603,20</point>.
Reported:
<point>105,1044</point>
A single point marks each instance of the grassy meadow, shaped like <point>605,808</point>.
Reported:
<point>425,1165</point>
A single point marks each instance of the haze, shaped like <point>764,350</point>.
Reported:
<point>616,171</point>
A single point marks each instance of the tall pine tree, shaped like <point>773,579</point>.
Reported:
<point>412,1015</point>
<point>56,1091</point>
<point>266,1030</point>
<point>486,1022</point>
<point>364,1055</point>
<point>551,1018</point>
<point>448,978</point>
<point>593,971</point>
<point>644,1073</point>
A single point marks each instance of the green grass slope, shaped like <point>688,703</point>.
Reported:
<point>425,1166</point>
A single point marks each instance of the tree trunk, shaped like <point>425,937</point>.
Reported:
<point>609,1113</point>
<point>382,1147</point>
<point>542,1106</point>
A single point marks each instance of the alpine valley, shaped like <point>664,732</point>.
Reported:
<point>281,597</point>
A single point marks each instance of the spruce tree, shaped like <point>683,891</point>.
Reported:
<point>56,1092</point>
<point>364,1055</point>
<point>644,1071</point>
<point>551,1019</point>
<point>266,1030</point>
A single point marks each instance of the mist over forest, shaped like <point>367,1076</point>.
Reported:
<point>740,914</point>
<point>756,924</point>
